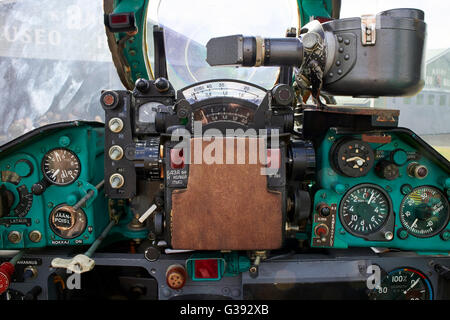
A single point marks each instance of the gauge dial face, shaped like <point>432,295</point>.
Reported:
<point>66,222</point>
<point>424,212</point>
<point>364,209</point>
<point>220,112</point>
<point>61,166</point>
<point>229,89</point>
<point>352,158</point>
<point>403,284</point>
<point>147,112</point>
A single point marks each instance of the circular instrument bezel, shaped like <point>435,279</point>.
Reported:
<point>58,183</point>
<point>78,224</point>
<point>336,161</point>
<point>435,232</point>
<point>427,283</point>
<point>375,230</point>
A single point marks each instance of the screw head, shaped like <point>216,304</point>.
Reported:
<point>388,235</point>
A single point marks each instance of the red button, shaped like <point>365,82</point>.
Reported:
<point>108,99</point>
<point>321,230</point>
<point>176,159</point>
<point>6,271</point>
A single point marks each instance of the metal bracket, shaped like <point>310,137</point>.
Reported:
<point>368,29</point>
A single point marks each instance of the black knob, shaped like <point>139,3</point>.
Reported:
<point>38,189</point>
<point>387,170</point>
<point>142,85</point>
<point>282,94</point>
<point>162,84</point>
<point>183,109</point>
<point>109,100</point>
<point>325,211</point>
<point>152,253</point>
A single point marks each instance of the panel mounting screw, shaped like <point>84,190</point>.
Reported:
<point>388,235</point>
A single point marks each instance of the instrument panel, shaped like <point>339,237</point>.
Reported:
<point>43,175</point>
<point>401,276</point>
<point>381,189</point>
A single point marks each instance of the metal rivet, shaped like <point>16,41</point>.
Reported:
<point>346,57</point>
<point>338,63</point>
<point>339,71</point>
<point>341,49</point>
<point>389,235</point>
<point>340,39</point>
<point>347,42</point>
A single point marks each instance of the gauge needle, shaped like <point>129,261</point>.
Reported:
<point>359,161</point>
<point>414,224</point>
<point>412,286</point>
<point>55,173</point>
<point>355,159</point>
<point>370,199</point>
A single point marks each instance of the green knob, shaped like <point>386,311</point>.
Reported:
<point>399,157</point>
<point>339,188</point>
<point>71,199</point>
<point>402,234</point>
<point>446,183</point>
<point>64,141</point>
<point>445,235</point>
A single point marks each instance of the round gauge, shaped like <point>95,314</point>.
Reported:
<point>424,212</point>
<point>61,166</point>
<point>403,284</point>
<point>352,157</point>
<point>364,209</point>
<point>66,222</point>
<point>147,112</point>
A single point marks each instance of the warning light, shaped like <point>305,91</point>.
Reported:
<point>120,22</point>
<point>119,19</point>
<point>176,159</point>
<point>206,269</point>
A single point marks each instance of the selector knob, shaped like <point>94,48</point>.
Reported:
<point>387,170</point>
<point>115,153</point>
<point>38,189</point>
<point>115,125</point>
<point>15,237</point>
<point>142,85</point>
<point>116,180</point>
<point>324,209</point>
<point>162,84</point>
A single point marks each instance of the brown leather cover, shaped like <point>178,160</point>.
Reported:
<point>226,207</point>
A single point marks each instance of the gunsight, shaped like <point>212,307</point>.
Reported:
<point>375,55</point>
